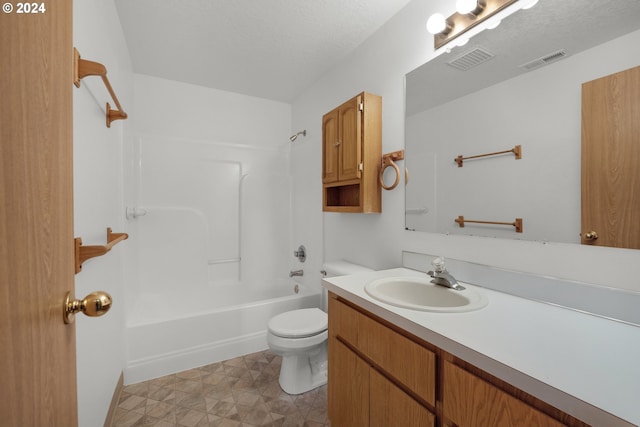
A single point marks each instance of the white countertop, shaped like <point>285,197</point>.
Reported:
<point>585,365</point>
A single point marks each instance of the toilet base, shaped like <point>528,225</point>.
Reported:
<point>301,373</point>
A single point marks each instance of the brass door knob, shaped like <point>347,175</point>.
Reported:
<point>95,304</point>
<point>590,236</point>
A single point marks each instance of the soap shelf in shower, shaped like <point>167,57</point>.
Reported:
<point>84,253</point>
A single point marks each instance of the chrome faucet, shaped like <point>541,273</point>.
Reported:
<point>442,277</point>
<point>296,273</point>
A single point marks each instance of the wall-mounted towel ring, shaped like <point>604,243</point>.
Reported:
<point>388,160</point>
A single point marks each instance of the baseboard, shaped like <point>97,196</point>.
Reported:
<point>169,363</point>
<point>108,422</point>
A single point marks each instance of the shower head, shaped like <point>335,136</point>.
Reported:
<point>294,137</point>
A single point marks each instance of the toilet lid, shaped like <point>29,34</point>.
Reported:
<point>301,323</point>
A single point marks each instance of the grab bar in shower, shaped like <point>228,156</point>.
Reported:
<point>83,253</point>
<point>223,261</point>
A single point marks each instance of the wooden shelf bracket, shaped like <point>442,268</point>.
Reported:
<point>83,68</point>
<point>517,223</point>
<point>84,253</point>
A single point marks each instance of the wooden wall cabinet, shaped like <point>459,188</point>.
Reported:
<point>380,375</point>
<point>351,156</point>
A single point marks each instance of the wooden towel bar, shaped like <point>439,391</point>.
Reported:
<point>83,68</point>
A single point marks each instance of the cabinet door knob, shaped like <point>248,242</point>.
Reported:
<point>337,144</point>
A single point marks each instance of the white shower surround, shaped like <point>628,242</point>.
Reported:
<point>211,256</point>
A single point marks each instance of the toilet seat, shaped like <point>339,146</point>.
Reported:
<point>302,323</point>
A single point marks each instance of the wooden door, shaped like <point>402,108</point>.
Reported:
<point>350,131</point>
<point>37,350</point>
<point>330,147</point>
<point>611,160</point>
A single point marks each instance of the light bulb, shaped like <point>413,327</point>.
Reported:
<point>466,6</point>
<point>492,24</point>
<point>462,41</point>
<point>436,23</point>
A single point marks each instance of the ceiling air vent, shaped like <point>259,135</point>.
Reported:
<point>471,59</point>
<point>547,59</point>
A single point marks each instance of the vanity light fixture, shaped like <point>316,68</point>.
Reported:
<point>473,7</point>
<point>469,14</point>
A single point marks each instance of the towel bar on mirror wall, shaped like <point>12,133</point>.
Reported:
<point>83,68</point>
<point>517,223</point>
<point>517,150</point>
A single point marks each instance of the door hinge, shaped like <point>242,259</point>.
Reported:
<point>361,167</point>
<point>361,106</point>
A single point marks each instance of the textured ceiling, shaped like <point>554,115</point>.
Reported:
<point>271,49</point>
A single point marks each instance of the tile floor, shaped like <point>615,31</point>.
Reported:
<point>238,392</point>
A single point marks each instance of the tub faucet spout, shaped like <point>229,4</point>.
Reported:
<point>296,273</point>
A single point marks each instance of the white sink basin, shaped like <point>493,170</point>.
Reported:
<point>419,293</point>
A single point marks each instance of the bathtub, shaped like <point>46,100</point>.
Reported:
<point>172,332</point>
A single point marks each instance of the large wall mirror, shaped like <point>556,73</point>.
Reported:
<point>528,94</point>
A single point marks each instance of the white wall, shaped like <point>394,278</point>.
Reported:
<point>98,203</point>
<point>171,108</point>
<point>379,66</point>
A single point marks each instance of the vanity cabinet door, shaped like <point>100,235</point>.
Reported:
<point>470,401</point>
<point>347,323</point>
<point>347,386</point>
<point>416,369</point>
<point>390,406</point>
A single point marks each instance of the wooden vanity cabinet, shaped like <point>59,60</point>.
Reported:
<point>382,376</point>
<point>352,155</point>
<point>347,387</point>
<point>465,398</point>
<point>369,385</point>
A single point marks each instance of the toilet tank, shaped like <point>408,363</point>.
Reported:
<point>338,268</point>
<point>342,268</point>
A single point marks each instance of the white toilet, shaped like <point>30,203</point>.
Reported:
<point>300,337</point>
